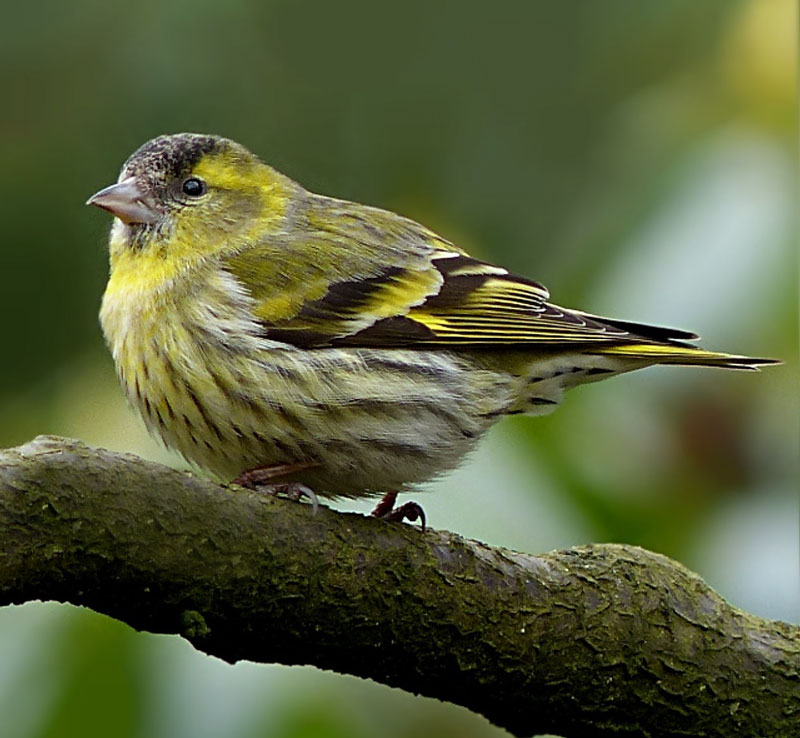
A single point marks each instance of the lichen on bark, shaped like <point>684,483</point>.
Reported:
<point>598,640</point>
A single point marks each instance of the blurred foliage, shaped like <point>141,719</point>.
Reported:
<point>638,158</point>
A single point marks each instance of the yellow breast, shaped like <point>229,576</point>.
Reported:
<point>193,361</point>
<point>181,342</point>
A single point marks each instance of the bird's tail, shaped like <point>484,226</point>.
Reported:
<point>682,354</point>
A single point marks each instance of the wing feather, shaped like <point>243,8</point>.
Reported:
<point>455,302</point>
<point>383,280</point>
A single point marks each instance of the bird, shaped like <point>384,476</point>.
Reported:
<point>301,343</point>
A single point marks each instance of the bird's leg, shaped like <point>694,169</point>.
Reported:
<point>385,506</point>
<point>265,475</point>
<point>262,479</point>
<point>411,511</point>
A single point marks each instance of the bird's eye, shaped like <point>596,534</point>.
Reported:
<point>193,187</point>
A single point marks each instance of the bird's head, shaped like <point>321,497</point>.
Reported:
<point>189,195</point>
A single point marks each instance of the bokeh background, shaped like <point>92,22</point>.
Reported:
<point>638,158</point>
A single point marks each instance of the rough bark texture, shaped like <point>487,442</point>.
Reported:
<point>593,641</point>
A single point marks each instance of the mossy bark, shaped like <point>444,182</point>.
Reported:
<point>594,641</point>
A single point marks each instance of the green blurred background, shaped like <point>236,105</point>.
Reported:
<point>638,158</point>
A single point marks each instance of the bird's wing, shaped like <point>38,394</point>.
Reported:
<point>479,304</point>
<point>456,301</point>
<point>384,281</point>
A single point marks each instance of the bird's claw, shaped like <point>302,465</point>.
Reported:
<point>259,480</point>
<point>296,491</point>
<point>411,511</point>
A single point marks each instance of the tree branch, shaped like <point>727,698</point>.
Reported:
<point>593,641</point>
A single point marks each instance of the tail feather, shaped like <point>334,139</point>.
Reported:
<point>645,330</point>
<point>685,355</point>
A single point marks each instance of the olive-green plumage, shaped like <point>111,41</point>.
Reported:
<point>254,323</point>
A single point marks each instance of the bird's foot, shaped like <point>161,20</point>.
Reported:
<point>262,479</point>
<point>411,511</point>
<point>265,475</point>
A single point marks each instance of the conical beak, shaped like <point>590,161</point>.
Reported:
<point>127,201</point>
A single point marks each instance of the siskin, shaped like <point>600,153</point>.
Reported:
<point>275,335</point>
